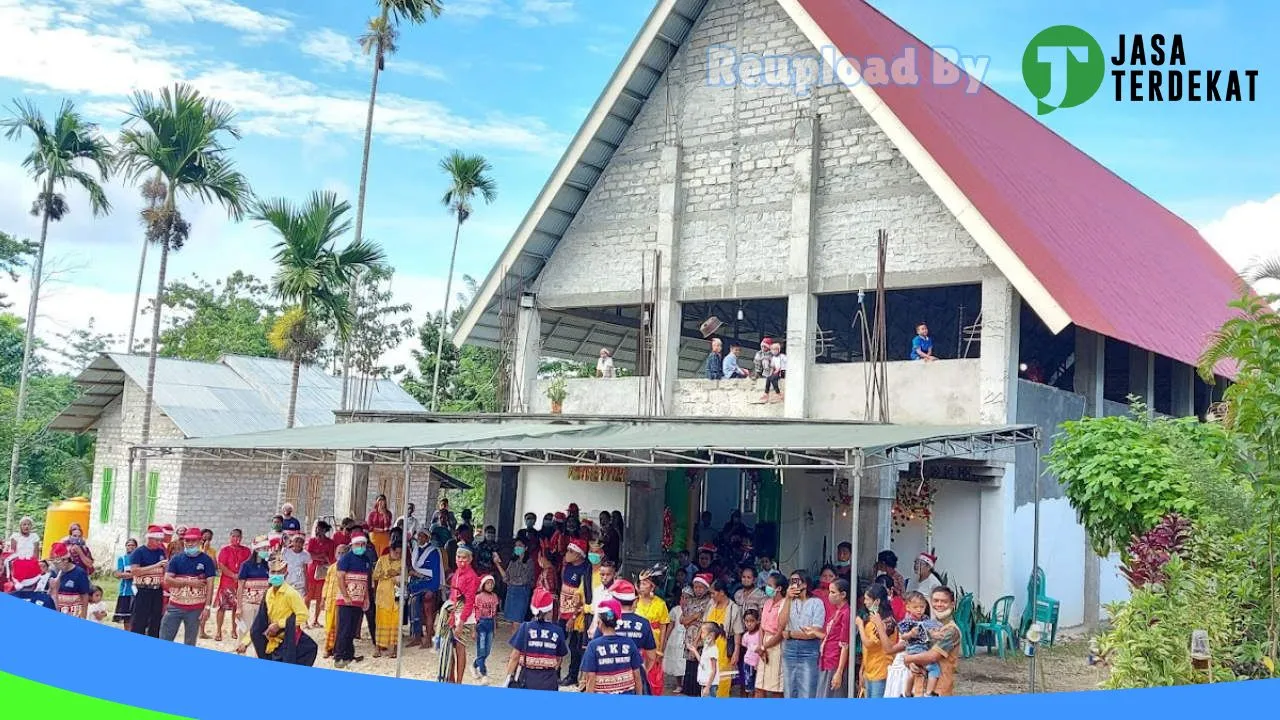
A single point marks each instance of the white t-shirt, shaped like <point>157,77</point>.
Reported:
<point>604,366</point>
<point>98,607</point>
<point>297,562</point>
<point>779,363</point>
<point>26,544</point>
<point>709,666</point>
<point>926,586</point>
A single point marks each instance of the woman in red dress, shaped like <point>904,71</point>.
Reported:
<point>321,548</point>
<point>378,524</point>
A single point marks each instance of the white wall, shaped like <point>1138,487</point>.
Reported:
<point>591,396</point>
<point>957,506</point>
<point>800,538</point>
<point>549,489</point>
<point>945,392</point>
<point>1112,587</point>
<point>1062,548</point>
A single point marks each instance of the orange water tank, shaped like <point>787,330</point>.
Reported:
<point>60,516</point>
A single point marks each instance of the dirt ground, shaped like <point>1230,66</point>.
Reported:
<point>1059,669</point>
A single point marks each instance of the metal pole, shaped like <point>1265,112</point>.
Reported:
<point>128,518</point>
<point>1035,565</point>
<point>404,570</point>
<point>856,485</point>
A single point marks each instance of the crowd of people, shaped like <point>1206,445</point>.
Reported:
<point>719,622</point>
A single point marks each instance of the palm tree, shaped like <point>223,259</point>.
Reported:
<point>57,151</point>
<point>311,274</point>
<point>468,175</point>
<point>379,40</point>
<point>153,191</point>
<point>178,136</point>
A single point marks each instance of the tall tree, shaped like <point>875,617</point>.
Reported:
<point>229,317</point>
<point>379,40</point>
<point>13,258</point>
<point>58,150</point>
<point>469,175</point>
<point>179,136</point>
<point>153,191</point>
<point>311,273</point>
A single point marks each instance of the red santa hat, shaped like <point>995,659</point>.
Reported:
<point>927,559</point>
<point>609,605</point>
<point>576,547</point>
<point>707,548</point>
<point>543,601</point>
<point>155,532</point>
<point>704,578</point>
<point>358,539</point>
<point>767,341</point>
<point>58,550</point>
<point>488,578</point>
<point>193,534</point>
<point>25,573</point>
<point>560,517</point>
<point>623,591</point>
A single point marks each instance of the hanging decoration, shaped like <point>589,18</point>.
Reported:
<point>914,502</point>
<point>837,490</point>
<point>668,530</point>
<point>597,473</point>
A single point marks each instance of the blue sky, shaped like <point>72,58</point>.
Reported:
<point>513,80</point>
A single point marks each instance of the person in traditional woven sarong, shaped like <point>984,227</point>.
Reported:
<point>354,571</point>
<point>146,567</point>
<point>72,586</point>
<point>331,602</point>
<point>386,579</point>
<point>277,630</point>
<point>232,555</point>
<point>190,577</point>
<point>537,647</point>
<point>575,597</point>
<point>251,588</point>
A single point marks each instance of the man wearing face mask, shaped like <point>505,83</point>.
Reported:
<point>844,552</point>
<point>147,565</point>
<point>277,631</point>
<point>190,577</point>
<point>354,570</point>
<point>485,551</point>
<point>252,584</point>
<point>425,573</point>
<point>529,533</point>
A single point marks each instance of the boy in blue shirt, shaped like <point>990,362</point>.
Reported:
<point>922,344</point>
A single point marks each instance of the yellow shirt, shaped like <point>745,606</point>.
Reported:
<point>717,615</point>
<point>282,602</point>
<point>655,611</point>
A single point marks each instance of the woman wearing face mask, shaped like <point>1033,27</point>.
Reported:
<point>518,576</point>
<point>353,601</point>
<point>277,630</point>
<point>879,634</point>
<point>769,670</point>
<point>251,588</point>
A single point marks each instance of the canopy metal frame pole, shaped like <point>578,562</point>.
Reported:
<point>855,485</point>
<point>1033,601</point>
<point>404,569</point>
<point>128,507</point>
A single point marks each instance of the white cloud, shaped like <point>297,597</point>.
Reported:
<point>341,52</point>
<point>229,14</point>
<point>528,13</point>
<point>1247,233</point>
<point>110,62</point>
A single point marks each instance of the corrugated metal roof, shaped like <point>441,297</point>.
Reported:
<point>236,395</point>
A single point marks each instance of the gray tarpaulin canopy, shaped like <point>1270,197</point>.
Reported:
<point>618,442</point>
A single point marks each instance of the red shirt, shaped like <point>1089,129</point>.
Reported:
<point>463,595</point>
<point>486,605</point>
<point>341,538</point>
<point>321,550</point>
<point>232,557</point>
<point>837,635</point>
<point>379,521</point>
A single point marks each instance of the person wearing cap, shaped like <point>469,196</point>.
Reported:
<point>635,626</point>
<point>230,558</point>
<point>251,588</point>
<point>354,571</point>
<point>537,647</point>
<point>691,619</point>
<point>461,613</point>
<point>613,663</point>
<point>289,523</point>
<point>764,359</point>
<point>190,578</point>
<point>926,577</point>
<point>24,576</point>
<point>277,630</point>
<point>426,571</point>
<point>146,567</point>
<point>72,586</point>
<point>654,610</point>
<point>575,598</point>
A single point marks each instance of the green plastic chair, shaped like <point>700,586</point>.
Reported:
<point>1043,609</point>
<point>965,621</point>
<point>1001,631</point>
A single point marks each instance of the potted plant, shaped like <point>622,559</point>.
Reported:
<point>557,391</point>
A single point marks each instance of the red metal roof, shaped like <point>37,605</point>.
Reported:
<point>1116,261</point>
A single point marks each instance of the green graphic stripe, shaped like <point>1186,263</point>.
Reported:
<point>39,700</point>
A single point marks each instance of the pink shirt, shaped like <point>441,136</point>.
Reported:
<point>751,643</point>
<point>486,605</point>
<point>769,616</point>
<point>837,637</point>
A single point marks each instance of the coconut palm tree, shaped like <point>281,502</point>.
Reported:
<point>153,191</point>
<point>179,136</point>
<point>379,40</point>
<point>312,274</point>
<point>468,176</point>
<point>58,150</point>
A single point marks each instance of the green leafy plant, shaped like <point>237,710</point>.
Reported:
<point>557,391</point>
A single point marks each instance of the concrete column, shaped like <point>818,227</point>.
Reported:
<point>492,510</point>
<point>667,316</point>
<point>802,304</point>
<point>998,389</point>
<point>1142,375</point>
<point>1184,390</point>
<point>642,533</point>
<point>343,486</point>
<point>528,353</point>
<point>1090,376</point>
